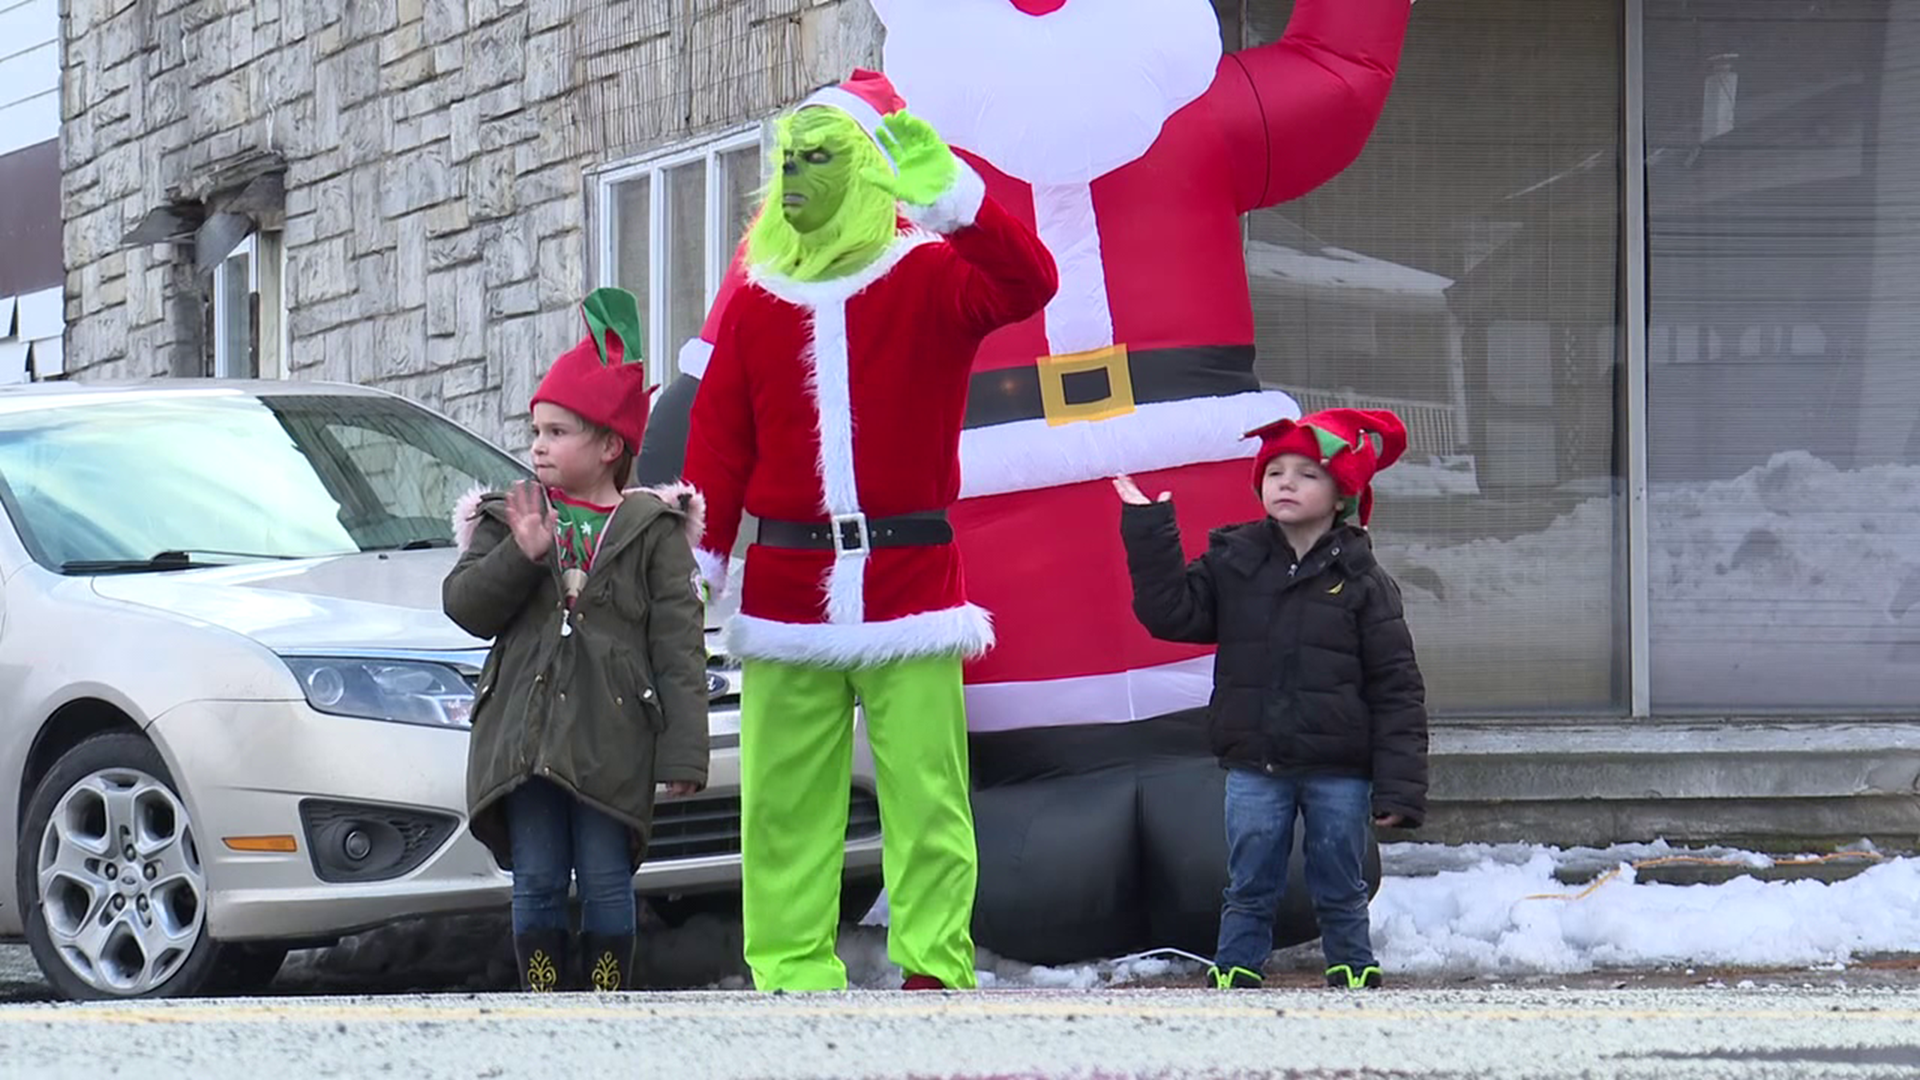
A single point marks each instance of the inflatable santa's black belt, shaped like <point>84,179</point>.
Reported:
<point>1108,382</point>
<point>854,532</point>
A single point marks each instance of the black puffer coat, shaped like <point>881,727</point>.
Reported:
<point>1315,669</point>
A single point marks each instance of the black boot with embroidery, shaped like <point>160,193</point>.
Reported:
<point>607,962</point>
<point>542,959</point>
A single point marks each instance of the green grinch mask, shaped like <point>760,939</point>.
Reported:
<point>816,169</point>
<point>824,217</point>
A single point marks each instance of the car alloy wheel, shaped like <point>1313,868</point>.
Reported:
<point>121,890</point>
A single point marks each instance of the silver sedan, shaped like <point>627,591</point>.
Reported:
<point>233,719</point>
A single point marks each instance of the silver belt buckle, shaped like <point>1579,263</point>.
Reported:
<point>856,524</point>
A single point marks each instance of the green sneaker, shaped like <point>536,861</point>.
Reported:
<point>1342,977</point>
<point>1234,978</point>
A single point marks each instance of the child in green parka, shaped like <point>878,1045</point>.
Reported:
<point>594,694</point>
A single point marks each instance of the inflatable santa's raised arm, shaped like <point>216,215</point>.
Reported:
<point>1133,143</point>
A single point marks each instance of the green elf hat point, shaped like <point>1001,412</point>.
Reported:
<point>1351,444</point>
<point>613,322</point>
<point>603,379</point>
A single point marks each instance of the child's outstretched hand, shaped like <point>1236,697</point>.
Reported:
<point>680,789</point>
<point>531,519</point>
<point>1131,494</point>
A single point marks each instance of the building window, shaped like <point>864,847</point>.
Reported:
<point>249,315</point>
<point>669,227</point>
<point>1783,188</point>
<point>1462,273</point>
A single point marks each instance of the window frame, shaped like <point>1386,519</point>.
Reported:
<point>266,253</point>
<point>717,245</point>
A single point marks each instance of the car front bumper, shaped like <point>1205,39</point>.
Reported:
<point>276,769</point>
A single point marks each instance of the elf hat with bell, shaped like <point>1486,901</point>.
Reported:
<point>603,380</point>
<point>868,97</point>
<point>1351,444</point>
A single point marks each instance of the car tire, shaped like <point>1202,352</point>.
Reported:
<point>101,932</point>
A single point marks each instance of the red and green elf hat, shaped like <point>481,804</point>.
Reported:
<point>603,379</point>
<point>1351,444</point>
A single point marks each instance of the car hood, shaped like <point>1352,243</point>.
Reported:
<point>384,600</point>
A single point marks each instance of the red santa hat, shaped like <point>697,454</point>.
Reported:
<point>603,379</point>
<point>866,96</point>
<point>1351,444</point>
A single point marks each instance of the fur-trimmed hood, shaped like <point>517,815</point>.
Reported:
<point>678,497</point>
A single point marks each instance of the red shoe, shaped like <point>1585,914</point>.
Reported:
<point>922,982</point>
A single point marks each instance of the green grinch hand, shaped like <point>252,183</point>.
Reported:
<point>927,165</point>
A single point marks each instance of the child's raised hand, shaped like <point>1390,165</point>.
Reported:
<point>1131,494</point>
<point>531,519</point>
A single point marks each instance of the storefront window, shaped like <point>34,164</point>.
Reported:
<point>1784,354</point>
<point>1463,273</point>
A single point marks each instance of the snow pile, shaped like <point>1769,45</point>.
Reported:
<point>1497,917</point>
<point>1498,910</point>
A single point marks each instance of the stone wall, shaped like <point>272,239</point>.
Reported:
<point>436,157</point>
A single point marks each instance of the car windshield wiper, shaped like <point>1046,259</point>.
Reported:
<point>165,560</point>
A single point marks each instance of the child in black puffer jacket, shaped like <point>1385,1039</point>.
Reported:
<point>1318,707</point>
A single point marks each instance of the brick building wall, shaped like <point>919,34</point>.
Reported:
<point>425,163</point>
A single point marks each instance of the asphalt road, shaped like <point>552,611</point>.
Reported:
<point>1531,1034</point>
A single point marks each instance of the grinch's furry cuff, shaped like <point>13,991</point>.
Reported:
<point>713,570</point>
<point>956,209</point>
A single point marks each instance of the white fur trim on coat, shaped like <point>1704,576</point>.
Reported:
<point>813,294</point>
<point>954,210</point>
<point>466,515</point>
<point>966,631</point>
<point>694,356</point>
<point>1030,454</point>
<point>830,382</point>
<point>684,499</point>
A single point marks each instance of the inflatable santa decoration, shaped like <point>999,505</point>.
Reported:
<point>1132,142</point>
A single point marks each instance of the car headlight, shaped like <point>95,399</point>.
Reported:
<point>401,691</point>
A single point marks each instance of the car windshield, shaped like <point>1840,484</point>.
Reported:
<point>220,476</point>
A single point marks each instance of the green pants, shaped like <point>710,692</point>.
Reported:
<point>796,769</point>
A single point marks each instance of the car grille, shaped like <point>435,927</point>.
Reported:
<point>707,826</point>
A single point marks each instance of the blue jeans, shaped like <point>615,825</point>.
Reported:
<point>1260,815</point>
<point>555,839</point>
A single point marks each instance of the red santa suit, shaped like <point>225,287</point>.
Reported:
<point>1121,132</point>
<point>864,432</point>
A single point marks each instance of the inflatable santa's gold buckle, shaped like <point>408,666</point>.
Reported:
<point>1056,371</point>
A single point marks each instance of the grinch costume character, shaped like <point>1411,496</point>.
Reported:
<point>831,411</point>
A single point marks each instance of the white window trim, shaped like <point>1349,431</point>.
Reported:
<point>266,276</point>
<point>223,344</point>
<point>718,245</point>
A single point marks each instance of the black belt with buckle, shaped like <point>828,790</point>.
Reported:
<point>858,532</point>
<point>1004,395</point>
